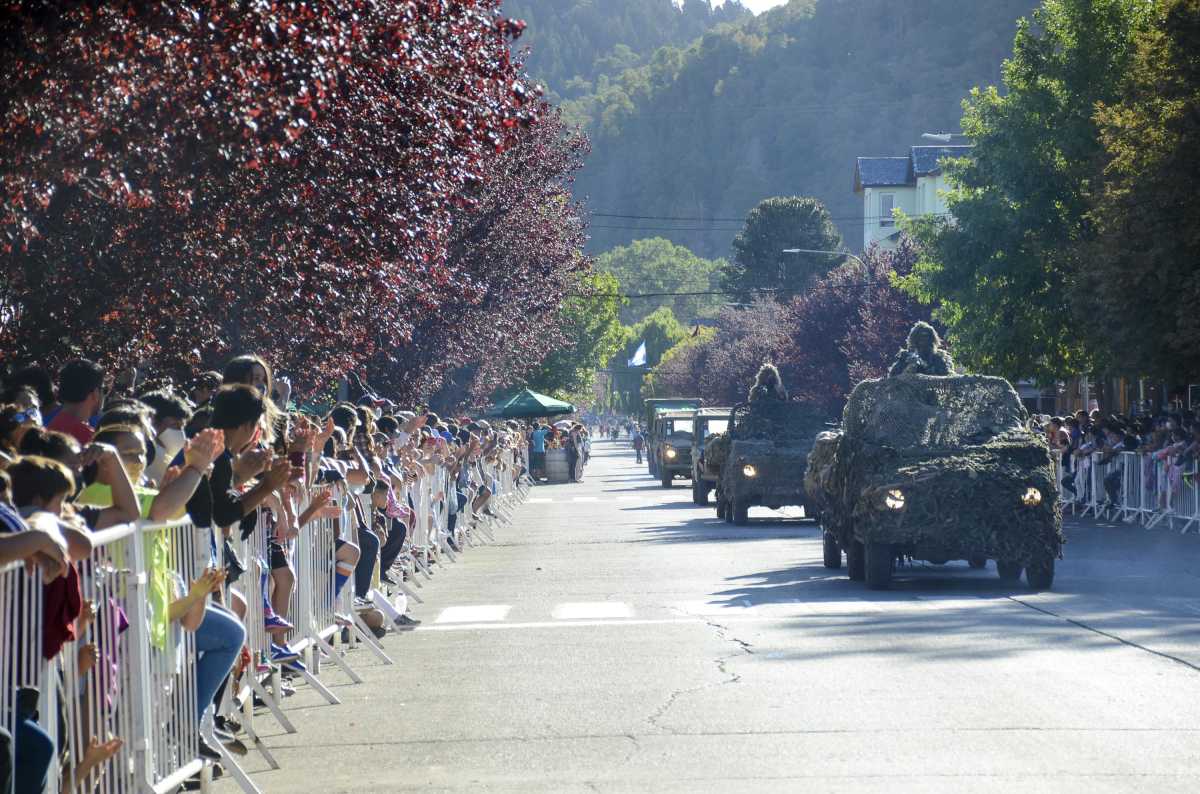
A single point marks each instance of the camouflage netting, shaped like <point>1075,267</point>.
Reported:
<point>776,419</point>
<point>716,450</point>
<point>776,437</point>
<point>957,448</point>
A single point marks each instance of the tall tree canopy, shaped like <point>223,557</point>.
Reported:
<point>591,332</point>
<point>1004,271</point>
<point>657,265</point>
<point>1142,278</point>
<point>190,181</point>
<point>776,225</point>
<point>846,328</point>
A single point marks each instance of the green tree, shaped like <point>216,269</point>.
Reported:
<point>657,265</point>
<point>589,322</point>
<point>1143,277</point>
<point>774,225</point>
<point>1004,272</point>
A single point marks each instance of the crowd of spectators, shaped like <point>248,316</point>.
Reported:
<point>1168,442</point>
<point>571,437</point>
<point>84,451</point>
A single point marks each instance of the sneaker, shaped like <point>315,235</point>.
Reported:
<point>286,690</point>
<point>230,742</point>
<point>386,579</point>
<point>207,751</point>
<point>281,654</point>
<point>405,623</point>
<point>276,624</point>
<point>193,782</point>
<point>379,632</point>
<point>362,603</point>
<point>295,667</point>
<point>228,724</point>
<point>453,546</point>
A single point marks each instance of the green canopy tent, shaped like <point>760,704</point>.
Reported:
<point>528,405</point>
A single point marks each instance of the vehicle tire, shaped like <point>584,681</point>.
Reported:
<point>1009,571</point>
<point>699,492</point>
<point>856,564</point>
<point>879,560</point>
<point>1039,575</point>
<point>740,509</point>
<point>977,562</point>
<point>833,552</point>
<point>667,477</point>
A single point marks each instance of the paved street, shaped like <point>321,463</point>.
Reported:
<point>620,639</point>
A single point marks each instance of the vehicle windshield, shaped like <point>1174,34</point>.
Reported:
<point>676,426</point>
<point>711,426</point>
<point>933,412</point>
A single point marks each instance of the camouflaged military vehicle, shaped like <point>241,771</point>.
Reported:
<point>708,426</point>
<point>936,468</point>
<point>763,456</point>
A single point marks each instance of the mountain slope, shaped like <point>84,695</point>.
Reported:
<point>781,104</point>
<point>573,43</point>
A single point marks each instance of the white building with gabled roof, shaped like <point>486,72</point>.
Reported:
<point>911,184</point>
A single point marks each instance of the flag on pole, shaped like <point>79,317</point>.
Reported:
<point>639,358</point>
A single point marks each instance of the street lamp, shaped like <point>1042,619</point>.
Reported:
<point>820,251</point>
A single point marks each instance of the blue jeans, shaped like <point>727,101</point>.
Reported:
<point>34,753</point>
<point>219,640</point>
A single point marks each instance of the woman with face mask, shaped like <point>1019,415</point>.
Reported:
<point>171,415</point>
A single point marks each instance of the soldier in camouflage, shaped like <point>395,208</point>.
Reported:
<point>923,354</point>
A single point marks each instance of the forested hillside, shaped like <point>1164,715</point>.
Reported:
<point>780,104</point>
<point>574,43</point>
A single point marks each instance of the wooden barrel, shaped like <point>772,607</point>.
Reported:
<point>557,469</point>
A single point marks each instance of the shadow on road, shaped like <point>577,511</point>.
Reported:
<point>712,530</point>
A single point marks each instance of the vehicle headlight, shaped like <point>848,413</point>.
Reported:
<point>670,453</point>
<point>894,499</point>
<point>749,470</point>
<point>1032,497</point>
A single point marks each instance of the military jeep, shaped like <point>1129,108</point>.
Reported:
<point>763,456</point>
<point>672,446</point>
<point>936,468</point>
<point>709,425</point>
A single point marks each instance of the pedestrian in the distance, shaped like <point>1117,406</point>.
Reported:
<point>639,443</point>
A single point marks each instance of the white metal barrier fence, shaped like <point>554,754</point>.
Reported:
<point>1149,489</point>
<point>119,701</point>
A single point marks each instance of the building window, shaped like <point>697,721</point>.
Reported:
<point>886,202</point>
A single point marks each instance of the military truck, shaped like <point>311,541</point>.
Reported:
<point>650,409</point>
<point>708,426</point>
<point>764,455</point>
<point>936,468</point>
<point>673,445</point>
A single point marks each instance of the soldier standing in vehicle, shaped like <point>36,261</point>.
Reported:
<point>923,354</point>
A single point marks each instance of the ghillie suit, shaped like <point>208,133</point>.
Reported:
<point>923,354</point>
<point>767,385</point>
<point>943,468</point>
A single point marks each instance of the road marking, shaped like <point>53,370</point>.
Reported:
<point>592,610</point>
<point>484,613</point>
<point>585,498</point>
<point>539,500</point>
